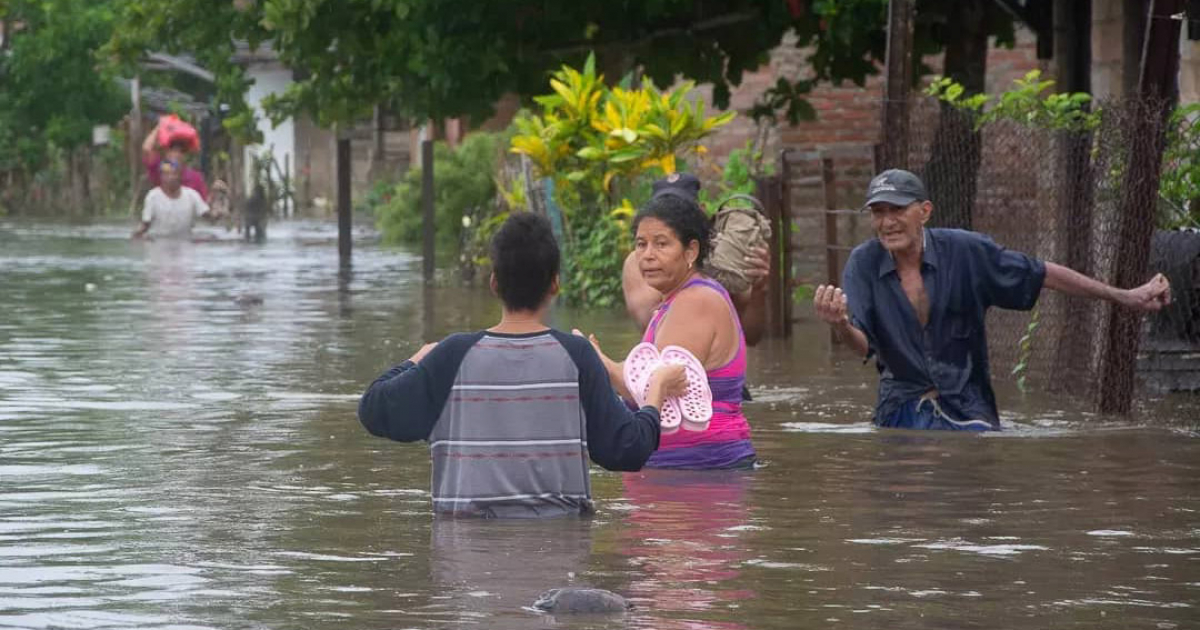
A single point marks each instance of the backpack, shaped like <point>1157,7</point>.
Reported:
<point>735,231</point>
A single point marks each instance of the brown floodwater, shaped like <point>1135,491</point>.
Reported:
<point>179,449</point>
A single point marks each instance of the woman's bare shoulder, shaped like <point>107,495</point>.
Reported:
<point>701,299</point>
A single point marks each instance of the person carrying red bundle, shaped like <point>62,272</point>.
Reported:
<point>178,142</point>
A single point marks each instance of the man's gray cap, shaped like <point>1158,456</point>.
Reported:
<point>897,187</point>
<point>682,185</point>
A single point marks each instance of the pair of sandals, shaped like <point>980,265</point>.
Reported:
<point>693,410</point>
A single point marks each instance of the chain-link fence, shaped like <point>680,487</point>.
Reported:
<point>1086,200</point>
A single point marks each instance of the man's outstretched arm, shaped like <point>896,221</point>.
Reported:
<point>1152,296</point>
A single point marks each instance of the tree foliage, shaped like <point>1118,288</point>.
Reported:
<point>1027,103</point>
<point>212,31</point>
<point>465,194</point>
<point>1180,185</point>
<point>54,88</point>
<point>435,58</point>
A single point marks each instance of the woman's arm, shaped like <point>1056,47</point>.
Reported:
<point>752,304</point>
<point>640,298</point>
<point>149,151</point>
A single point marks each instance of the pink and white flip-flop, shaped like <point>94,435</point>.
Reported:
<point>669,417</point>
<point>696,403</point>
<point>643,359</point>
<point>693,410</point>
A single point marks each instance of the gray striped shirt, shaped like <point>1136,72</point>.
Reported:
<point>511,421</point>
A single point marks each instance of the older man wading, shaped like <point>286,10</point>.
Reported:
<point>915,298</point>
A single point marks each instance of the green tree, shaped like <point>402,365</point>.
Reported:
<point>53,88</point>
<point>435,58</point>
<point>431,59</point>
<point>212,31</point>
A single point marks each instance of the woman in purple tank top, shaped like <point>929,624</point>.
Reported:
<point>671,243</point>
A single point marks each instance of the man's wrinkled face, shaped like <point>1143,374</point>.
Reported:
<point>899,228</point>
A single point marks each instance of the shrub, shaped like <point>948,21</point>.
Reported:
<point>601,147</point>
<point>463,187</point>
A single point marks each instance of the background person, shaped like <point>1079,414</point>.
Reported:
<point>916,300</point>
<point>153,156</point>
<point>171,209</point>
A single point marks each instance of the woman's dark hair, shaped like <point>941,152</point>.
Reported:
<point>525,260</point>
<point>683,216</point>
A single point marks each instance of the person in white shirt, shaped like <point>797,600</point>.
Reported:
<point>170,210</point>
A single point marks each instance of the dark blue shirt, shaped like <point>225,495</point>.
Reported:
<point>964,273</point>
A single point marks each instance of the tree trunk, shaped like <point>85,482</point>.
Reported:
<point>1133,13</point>
<point>899,84</point>
<point>1156,96</point>
<point>1074,203</point>
<point>954,157</point>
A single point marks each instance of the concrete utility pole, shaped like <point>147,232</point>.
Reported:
<point>428,227</point>
<point>135,142</point>
<point>343,195</point>
<point>894,128</point>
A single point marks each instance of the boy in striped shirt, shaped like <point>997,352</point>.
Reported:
<point>513,413</point>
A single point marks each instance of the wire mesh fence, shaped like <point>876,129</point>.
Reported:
<point>1086,200</point>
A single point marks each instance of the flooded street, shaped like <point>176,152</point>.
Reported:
<point>179,449</point>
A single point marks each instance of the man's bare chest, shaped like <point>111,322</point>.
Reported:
<point>914,289</point>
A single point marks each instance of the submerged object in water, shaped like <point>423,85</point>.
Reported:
<point>581,600</point>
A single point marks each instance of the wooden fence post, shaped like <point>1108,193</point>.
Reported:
<point>772,191</point>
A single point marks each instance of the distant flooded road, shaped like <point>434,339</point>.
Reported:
<point>179,449</point>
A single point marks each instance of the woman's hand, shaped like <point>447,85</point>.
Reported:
<point>760,269</point>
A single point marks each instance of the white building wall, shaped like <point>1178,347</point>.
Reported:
<point>280,141</point>
<point>1189,69</point>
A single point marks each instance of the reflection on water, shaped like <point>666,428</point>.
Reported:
<point>686,534</point>
<point>178,449</point>
<point>491,572</point>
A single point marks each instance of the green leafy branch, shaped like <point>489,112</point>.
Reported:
<point>1025,352</point>
<point>1026,103</point>
<point>1179,187</point>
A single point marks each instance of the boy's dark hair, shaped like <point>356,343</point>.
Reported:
<point>684,217</point>
<point>525,259</point>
